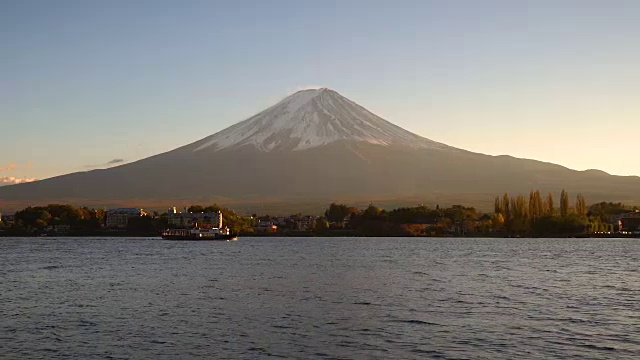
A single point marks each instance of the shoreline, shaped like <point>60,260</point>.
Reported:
<point>478,236</point>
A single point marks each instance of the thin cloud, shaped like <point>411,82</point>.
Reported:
<point>107,164</point>
<point>11,180</point>
<point>11,166</point>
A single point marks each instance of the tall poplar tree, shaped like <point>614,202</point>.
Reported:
<point>564,203</point>
<point>539,204</point>
<point>535,205</point>
<point>497,206</point>
<point>581,205</point>
<point>549,206</point>
<point>520,209</point>
<point>506,207</point>
<point>532,204</point>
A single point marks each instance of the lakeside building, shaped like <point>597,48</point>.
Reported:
<point>265,228</point>
<point>62,229</point>
<point>629,223</point>
<point>303,223</point>
<point>7,220</point>
<point>119,218</point>
<point>189,219</point>
<point>272,224</point>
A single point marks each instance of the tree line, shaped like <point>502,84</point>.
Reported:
<point>538,216</point>
<point>519,215</point>
<point>57,219</point>
<point>533,215</point>
<point>42,219</point>
<point>406,221</point>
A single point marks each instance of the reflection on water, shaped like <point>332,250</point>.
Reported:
<point>320,298</point>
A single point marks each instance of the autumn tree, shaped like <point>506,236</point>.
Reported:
<point>564,203</point>
<point>548,205</point>
<point>581,205</point>
<point>519,214</point>
<point>497,206</point>
<point>535,205</point>
<point>519,208</point>
<point>320,225</point>
<point>506,207</point>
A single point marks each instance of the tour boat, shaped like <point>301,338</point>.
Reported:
<point>198,233</point>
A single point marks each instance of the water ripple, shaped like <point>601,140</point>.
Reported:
<point>338,298</point>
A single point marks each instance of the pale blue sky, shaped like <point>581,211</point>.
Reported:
<point>85,82</point>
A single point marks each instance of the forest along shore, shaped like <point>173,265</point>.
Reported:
<point>513,216</point>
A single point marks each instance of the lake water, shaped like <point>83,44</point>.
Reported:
<point>320,298</point>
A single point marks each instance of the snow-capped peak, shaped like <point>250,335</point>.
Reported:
<point>310,118</point>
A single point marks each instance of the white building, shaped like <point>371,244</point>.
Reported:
<point>119,218</point>
<point>188,219</point>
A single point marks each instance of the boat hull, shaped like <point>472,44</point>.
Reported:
<point>201,238</point>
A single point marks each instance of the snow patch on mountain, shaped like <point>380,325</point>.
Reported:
<point>311,118</point>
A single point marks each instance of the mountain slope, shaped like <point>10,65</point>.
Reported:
<point>311,118</point>
<point>316,146</point>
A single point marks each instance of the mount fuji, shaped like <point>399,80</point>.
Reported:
<point>310,149</point>
<point>311,118</point>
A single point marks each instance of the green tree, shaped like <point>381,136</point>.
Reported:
<point>372,211</point>
<point>215,208</point>
<point>34,217</point>
<point>196,209</point>
<point>337,212</point>
<point>142,226</point>
<point>321,225</point>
